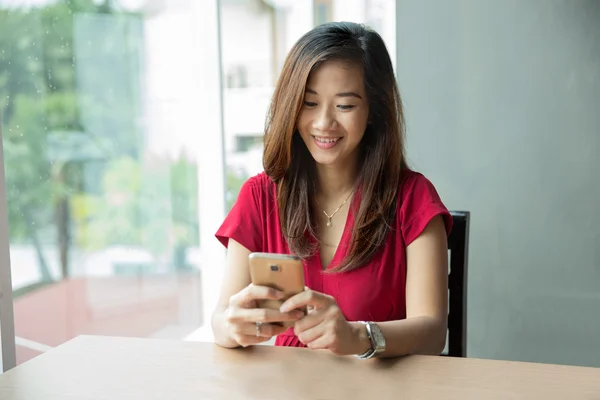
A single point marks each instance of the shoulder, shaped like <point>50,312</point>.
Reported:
<point>418,203</point>
<point>245,222</point>
<point>260,181</point>
<point>413,182</point>
<point>258,186</point>
<point>416,189</point>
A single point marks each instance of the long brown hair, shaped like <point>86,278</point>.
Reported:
<point>288,163</point>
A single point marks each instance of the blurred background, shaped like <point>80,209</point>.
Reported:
<point>128,127</point>
<point>125,123</point>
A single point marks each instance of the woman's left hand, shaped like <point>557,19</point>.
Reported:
<point>325,327</point>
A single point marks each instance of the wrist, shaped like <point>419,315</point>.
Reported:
<point>361,342</point>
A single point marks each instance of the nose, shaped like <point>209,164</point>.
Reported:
<point>324,120</point>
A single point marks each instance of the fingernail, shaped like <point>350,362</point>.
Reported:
<point>297,314</point>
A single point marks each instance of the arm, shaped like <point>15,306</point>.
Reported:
<point>234,319</point>
<point>235,278</point>
<point>424,329</point>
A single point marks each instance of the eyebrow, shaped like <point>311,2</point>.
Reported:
<point>342,94</point>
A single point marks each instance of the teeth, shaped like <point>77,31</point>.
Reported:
<point>324,140</point>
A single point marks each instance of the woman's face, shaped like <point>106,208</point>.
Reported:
<point>334,116</point>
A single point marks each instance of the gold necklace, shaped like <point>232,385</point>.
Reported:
<point>329,223</point>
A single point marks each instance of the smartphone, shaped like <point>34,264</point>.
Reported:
<point>283,272</point>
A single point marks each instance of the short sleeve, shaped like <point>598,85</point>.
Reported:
<point>420,203</point>
<point>243,223</point>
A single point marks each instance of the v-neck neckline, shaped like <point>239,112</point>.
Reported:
<point>343,245</point>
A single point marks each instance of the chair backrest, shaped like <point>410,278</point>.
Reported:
<point>458,244</point>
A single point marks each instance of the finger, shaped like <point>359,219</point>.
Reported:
<point>320,343</point>
<point>253,292</point>
<point>248,334</point>
<point>264,292</point>
<point>249,340</point>
<point>306,298</point>
<point>312,335</point>
<point>264,331</point>
<point>308,322</point>
<point>263,315</point>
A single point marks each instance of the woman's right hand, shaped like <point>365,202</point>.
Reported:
<point>247,324</point>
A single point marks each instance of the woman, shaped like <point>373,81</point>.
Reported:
<point>337,192</point>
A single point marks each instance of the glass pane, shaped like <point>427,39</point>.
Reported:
<point>100,127</point>
<point>255,38</point>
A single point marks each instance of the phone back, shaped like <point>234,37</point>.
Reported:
<point>279,271</point>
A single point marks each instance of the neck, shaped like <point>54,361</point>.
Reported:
<point>334,182</point>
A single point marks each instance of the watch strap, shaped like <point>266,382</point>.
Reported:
<point>373,350</point>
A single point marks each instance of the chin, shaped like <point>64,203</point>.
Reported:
<point>324,159</point>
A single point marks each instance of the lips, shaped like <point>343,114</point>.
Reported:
<point>324,142</point>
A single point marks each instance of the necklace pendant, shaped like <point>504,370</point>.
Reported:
<point>329,224</point>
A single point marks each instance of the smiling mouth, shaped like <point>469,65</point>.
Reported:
<point>326,140</point>
<point>326,143</point>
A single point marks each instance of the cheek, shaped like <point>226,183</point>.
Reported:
<point>355,127</point>
<point>302,123</point>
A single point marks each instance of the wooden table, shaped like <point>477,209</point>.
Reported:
<point>91,367</point>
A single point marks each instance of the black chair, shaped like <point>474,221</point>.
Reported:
<point>458,244</point>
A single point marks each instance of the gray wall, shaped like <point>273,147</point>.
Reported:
<point>503,112</point>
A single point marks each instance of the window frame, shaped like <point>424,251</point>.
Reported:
<point>8,356</point>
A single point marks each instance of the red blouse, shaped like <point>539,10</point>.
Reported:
<point>374,292</point>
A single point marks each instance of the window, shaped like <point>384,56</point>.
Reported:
<point>126,139</point>
<point>105,151</point>
<point>323,11</point>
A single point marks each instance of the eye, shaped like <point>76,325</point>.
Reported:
<point>346,107</point>
<point>310,104</point>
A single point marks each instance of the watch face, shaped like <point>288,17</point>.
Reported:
<point>378,338</point>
